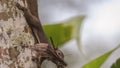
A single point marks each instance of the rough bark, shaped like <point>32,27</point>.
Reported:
<point>51,52</point>
<point>14,34</point>
<point>19,31</point>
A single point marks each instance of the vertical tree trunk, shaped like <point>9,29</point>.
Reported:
<point>14,34</point>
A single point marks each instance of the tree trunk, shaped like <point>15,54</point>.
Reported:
<point>14,33</point>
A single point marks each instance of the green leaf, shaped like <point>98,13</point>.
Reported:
<point>96,63</point>
<point>64,30</point>
<point>116,64</point>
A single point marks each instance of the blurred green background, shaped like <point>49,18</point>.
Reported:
<point>99,33</point>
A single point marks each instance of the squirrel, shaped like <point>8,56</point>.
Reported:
<point>51,52</point>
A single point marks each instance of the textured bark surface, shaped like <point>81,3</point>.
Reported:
<point>50,52</point>
<point>13,35</point>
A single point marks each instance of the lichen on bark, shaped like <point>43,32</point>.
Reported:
<point>13,35</point>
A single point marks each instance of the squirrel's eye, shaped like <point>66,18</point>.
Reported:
<point>60,54</point>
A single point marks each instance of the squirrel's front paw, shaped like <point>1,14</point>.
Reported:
<point>20,7</point>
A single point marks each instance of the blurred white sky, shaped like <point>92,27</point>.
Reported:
<point>103,21</point>
<point>101,28</point>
